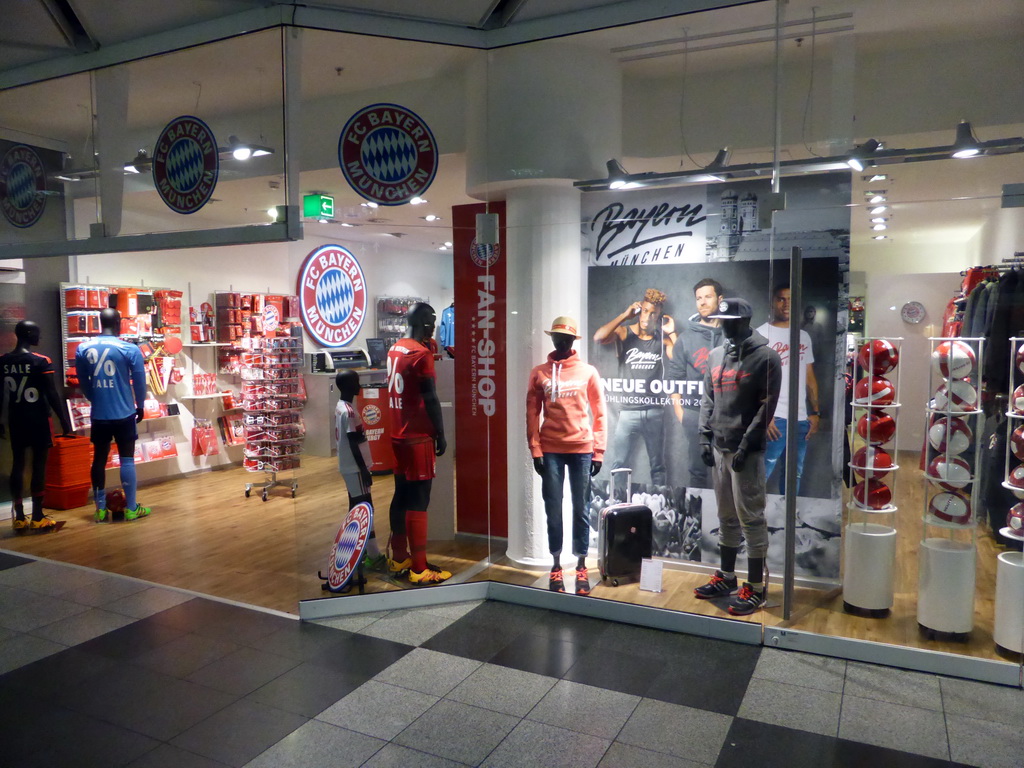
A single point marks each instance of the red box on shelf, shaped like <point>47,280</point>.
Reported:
<point>66,496</point>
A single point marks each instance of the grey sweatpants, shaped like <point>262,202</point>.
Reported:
<point>741,500</point>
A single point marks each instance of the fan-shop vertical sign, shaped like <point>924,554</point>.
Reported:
<point>481,483</point>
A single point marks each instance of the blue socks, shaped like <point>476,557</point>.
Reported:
<point>100,497</point>
<point>128,481</point>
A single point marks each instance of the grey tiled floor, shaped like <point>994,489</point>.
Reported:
<point>143,676</point>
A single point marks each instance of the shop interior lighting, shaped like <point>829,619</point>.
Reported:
<point>861,154</point>
<point>876,177</point>
<point>879,227</point>
<point>875,199</point>
<point>448,243</point>
<point>369,205</point>
<point>965,144</point>
<point>418,201</point>
<point>141,164</point>
<point>880,237</point>
<point>241,150</point>
<point>430,217</point>
<point>716,168</point>
<point>442,248</point>
<point>277,212</point>
<point>879,220</point>
<point>346,224</point>
<point>878,209</point>
<point>619,178</point>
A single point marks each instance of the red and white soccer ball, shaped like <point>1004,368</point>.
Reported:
<point>1020,358</point>
<point>116,501</point>
<point>1017,442</point>
<point>874,390</point>
<point>872,494</point>
<point>950,434</point>
<point>876,427</point>
<point>1017,400</point>
<point>878,356</point>
<point>952,474</point>
<point>954,360</point>
<point>871,463</point>
<point>1015,519</point>
<point>956,396</point>
<point>951,507</point>
<point>1016,477</point>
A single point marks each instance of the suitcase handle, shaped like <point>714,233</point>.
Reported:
<point>629,480</point>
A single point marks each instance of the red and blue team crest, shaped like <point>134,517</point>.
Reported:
<point>371,414</point>
<point>332,296</point>
<point>271,318</point>
<point>186,164</point>
<point>388,154</point>
<point>22,184</point>
<point>348,546</point>
<point>485,255</point>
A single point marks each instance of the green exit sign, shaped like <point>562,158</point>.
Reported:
<point>318,206</point>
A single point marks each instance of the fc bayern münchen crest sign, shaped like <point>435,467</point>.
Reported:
<point>22,183</point>
<point>332,296</point>
<point>348,546</point>
<point>388,154</point>
<point>186,164</point>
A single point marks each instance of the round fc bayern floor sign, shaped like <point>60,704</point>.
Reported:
<point>186,164</point>
<point>348,546</point>
<point>332,296</point>
<point>22,182</point>
<point>387,153</point>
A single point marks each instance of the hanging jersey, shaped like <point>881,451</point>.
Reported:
<point>112,376</point>
<point>640,363</point>
<point>24,382</point>
<point>446,333</point>
<point>347,422</point>
<point>409,363</point>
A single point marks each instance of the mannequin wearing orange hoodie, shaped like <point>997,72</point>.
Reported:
<point>571,436</point>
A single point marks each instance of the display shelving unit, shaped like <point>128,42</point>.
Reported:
<point>391,312</point>
<point>1008,632</point>
<point>869,540</point>
<point>948,548</point>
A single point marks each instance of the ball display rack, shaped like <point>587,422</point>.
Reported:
<point>869,539</point>
<point>1008,632</point>
<point>948,548</point>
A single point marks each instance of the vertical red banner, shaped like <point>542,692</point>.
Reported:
<point>481,418</point>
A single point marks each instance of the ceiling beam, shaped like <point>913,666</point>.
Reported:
<point>64,17</point>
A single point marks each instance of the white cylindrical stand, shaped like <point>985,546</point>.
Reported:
<point>1009,627</point>
<point>945,600</point>
<point>870,556</point>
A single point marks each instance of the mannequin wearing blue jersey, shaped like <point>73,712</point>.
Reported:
<point>112,376</point>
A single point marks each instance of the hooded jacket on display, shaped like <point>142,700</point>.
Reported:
<point>741,390</point>
<point>563,390</point>
<point>692,350</point>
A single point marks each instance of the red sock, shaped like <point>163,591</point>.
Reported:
<point>416,528</point>
<point>399,547</point>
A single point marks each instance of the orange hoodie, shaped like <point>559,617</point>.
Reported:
<point>563,389</point>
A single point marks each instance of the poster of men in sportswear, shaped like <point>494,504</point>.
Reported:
<point>657,261</point>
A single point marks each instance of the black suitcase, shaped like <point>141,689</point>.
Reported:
<point>624,535</point>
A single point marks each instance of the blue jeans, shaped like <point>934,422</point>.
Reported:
<point>775,448</point>
<point>552,483</point>
<point>648,423</point>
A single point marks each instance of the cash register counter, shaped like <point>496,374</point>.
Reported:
<point>322,397</point>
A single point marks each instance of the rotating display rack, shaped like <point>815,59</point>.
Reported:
<point>948,551</point>
<point>869,539</point>
<point>272,398</point>
<point>1009,622</point>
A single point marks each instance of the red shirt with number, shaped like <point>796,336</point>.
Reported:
<point>409,363</point>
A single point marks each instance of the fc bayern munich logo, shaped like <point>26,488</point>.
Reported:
<point>387,153</point>
<point>371,415</point>
<point>484,256</point>
<point>332,296</point>
<point>348,546</point>
<point>271,318</point>
<point>186,164</point>
<point>22,183</point>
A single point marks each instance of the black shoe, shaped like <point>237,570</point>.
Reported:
<point>556,584</point>
<point>748,600</point>
<point>719,586</point>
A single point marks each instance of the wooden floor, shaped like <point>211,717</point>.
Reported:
<point>204,535</point>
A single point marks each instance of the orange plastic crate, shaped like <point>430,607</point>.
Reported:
<point>65,496</point>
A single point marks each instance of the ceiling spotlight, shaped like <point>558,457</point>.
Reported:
<point>448,243</point>
<point>880,237</point>
<point>430,217</point>
<point>861,153</point>
<point>369,205</point>
<point>277,212</point>
<point>879,220</point>
<point>616,174</point>
<point>243,151</point>
<point>878,209</point>
<point>141,163</point>
<point>965,145</point>
<point>346,224</point>
<point>443,248</point>
<point>418,201</point>
<point>877,177</point>
<point>716,168</point>
<point>879,227</point>
<point>876,199</point>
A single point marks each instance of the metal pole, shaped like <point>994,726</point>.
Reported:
<point>777,154</point>
<point>796,269</point>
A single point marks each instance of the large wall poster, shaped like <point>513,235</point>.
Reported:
<point>660,245</point>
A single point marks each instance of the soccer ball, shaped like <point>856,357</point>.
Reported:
<point>952,473</point>
<point>878,356</point>
<point>1020,358</point>
<point>872,494</point>
<point>876,427</point>
<point>951,507</point>
<point>1016,477</point>
<point>1017,442</point>
<point>874,390</point>
<point>1015,519</point>
<point>956,396</point>
<point>870,462</point>
<point>115,501</point>
<point>1017,400</point>
<point>953,360</point>
<point>950,434</point>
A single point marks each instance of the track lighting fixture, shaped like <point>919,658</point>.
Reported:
<point>861,153</point>
<point>142,163</point>
<point>243,151</point>
<point>965,145</point>
<point>716,168</point>
<point>616,174</point>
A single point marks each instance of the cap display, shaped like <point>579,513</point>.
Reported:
<point>565,324</point>
<point>732,309</point>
